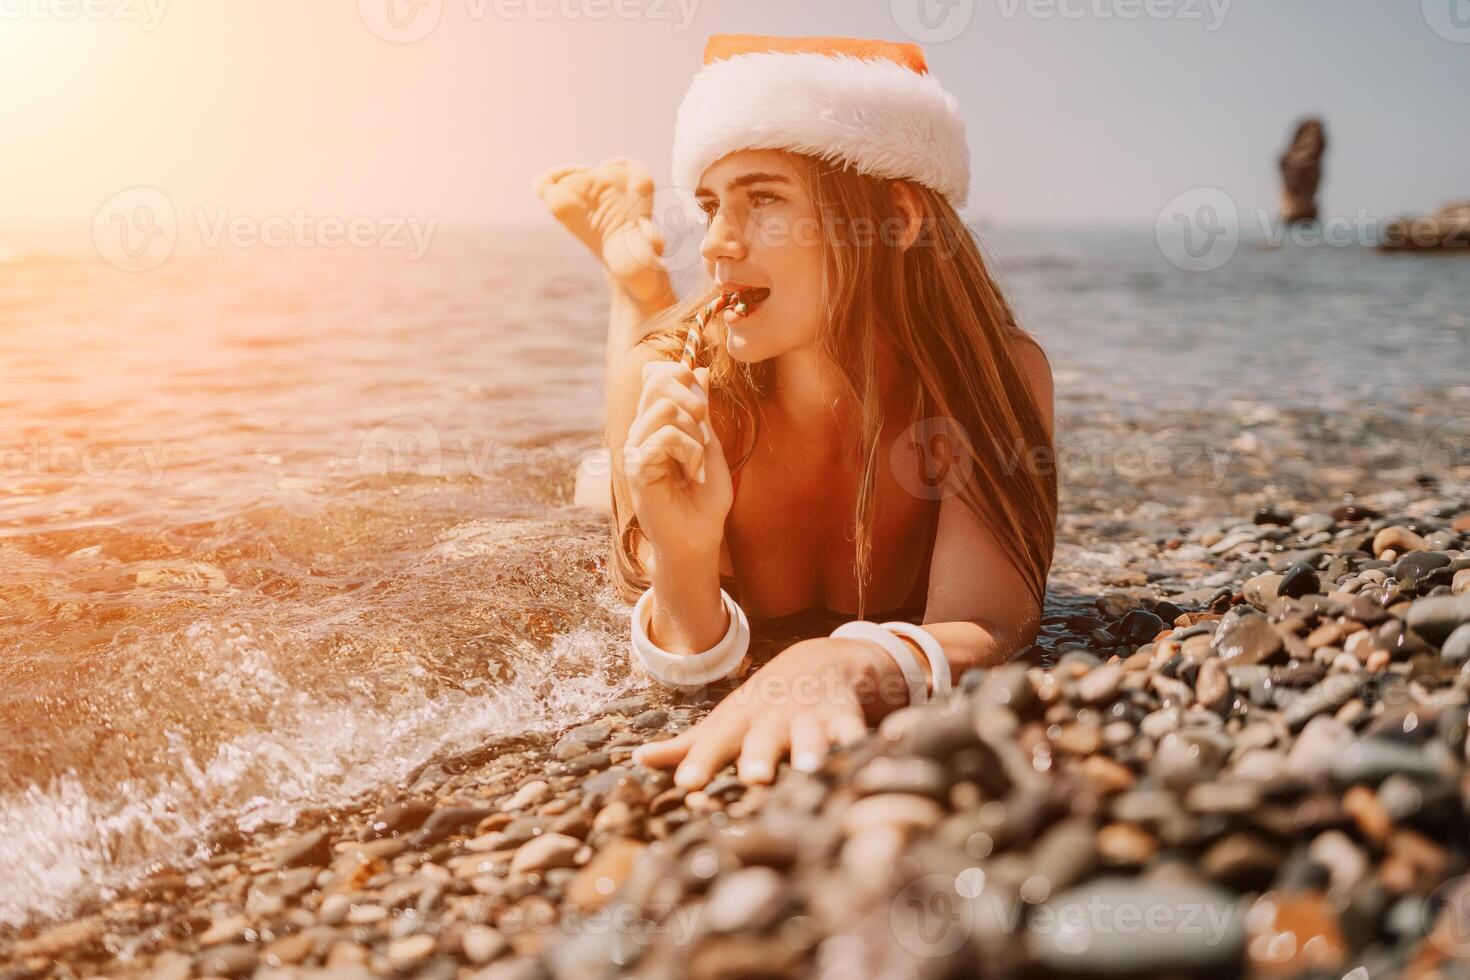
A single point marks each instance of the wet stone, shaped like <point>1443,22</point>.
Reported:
<point>445,823</point>
<point>397,818</point>
<point>1436,617</point>
<point>229,961</point>
<point>1065,938</point>
<point>1250,641</point>
<point>309,850</point>
<point>1300,579</point>
<point>1372,760</point>
<point>652,719</point>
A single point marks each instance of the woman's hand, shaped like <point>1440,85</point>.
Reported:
<point>670,445</point>
<point>814,694</point>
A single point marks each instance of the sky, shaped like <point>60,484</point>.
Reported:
<point>1077,112</point>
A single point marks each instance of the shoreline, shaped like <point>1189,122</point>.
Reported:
<point>1250,738</point>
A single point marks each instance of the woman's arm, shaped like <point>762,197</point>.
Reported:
<point>627,315</point>
<point>824,690</point>
<point>688,615</point>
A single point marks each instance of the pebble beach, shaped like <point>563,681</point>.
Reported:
<point>1245,757</point>
<point>1236,749</point>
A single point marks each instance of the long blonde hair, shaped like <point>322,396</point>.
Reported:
<point>944,319</point>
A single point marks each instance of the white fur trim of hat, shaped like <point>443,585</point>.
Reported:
<point>876,115</point>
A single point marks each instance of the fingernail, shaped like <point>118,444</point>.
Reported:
<point>806,761</point>
<point>687,778</point>
<point>708,432</point>
<point>756,771</point>
<point>699,477</point>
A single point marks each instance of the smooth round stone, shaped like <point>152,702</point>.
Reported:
<point>1436,617</point>
<point>1262,765</point>
<point>1262,590</point>
<point>550,850</point>
<point>1126,843</point>
<point>1213,683</point>
<point>1314,523</point>
<point>1242,859</point>
<point>1300,579</point>
<point>892,810</point>
<point>483,944</point>
<point>1239,796</point>
<point>653,718</point>
<point>1316,747</point>
<point>1140,626</point>
<point>1249,641</point>
<point>1460,585</point>
<point>229,961</point>
<point>748,899</point>
<point>1344,860</point>
<point>1372,760</point>
<point>1295,933</point>
<point>1331,694</point>
<point>1397,538</point>
<point>902,775</point>
<point>1186,758</point>
<point>1418,564</point>
<point>397,818</point>
<point>534,792</point>
<point>1120,926</point>
<point>1157,724</point>
<point>1456,649</point>
<point>1100,684</point>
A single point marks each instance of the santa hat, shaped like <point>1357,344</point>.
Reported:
<point>871,105</point>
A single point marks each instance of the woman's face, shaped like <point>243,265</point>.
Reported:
<point>763,232</point>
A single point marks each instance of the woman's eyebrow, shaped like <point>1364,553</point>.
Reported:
<point>745,180</point>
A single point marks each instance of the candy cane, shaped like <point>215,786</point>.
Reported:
<point>691,340</point>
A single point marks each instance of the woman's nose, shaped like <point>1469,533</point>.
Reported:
<point>722,239</point>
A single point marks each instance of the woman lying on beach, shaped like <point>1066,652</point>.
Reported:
<point>866,427</point>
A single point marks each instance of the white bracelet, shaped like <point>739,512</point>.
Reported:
<point>862,629</point>
<point>693,669</point>
<point>933,649</point>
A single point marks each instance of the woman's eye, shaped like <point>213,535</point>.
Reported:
<point>707,208</point>
<point>763,197</point>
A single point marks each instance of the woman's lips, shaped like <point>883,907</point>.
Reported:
<point>746,300</point>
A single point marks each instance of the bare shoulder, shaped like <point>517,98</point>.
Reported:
<point>1036,368</point>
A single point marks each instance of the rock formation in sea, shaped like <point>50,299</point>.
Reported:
<point>1301,172</point>
<point>1447,228</point>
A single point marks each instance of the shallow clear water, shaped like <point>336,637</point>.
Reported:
<point>276,528</point>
